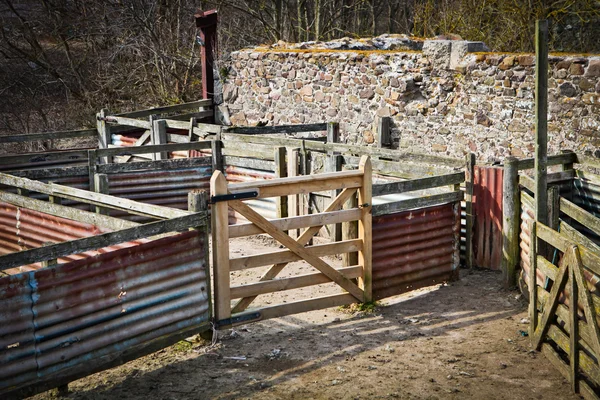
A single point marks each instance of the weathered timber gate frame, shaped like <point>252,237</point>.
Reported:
<point>224,196</point>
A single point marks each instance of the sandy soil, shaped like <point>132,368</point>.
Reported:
<point>463,340</point>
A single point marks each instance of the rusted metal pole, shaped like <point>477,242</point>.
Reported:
<point>510,221</point>
<point>207,22</point>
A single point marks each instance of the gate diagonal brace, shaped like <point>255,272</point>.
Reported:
<point>298,249</point>
<point>336,204</point>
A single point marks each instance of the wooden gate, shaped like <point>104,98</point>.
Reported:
<point>224,196</point>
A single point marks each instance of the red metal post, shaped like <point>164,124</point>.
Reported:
<point>207,22</point>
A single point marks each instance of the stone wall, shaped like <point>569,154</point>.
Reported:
<point>480,102</point>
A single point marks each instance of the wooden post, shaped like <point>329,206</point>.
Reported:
<point>159,129</point>
<point>469,181</point>
<point>574,331</point>
<point>281,172</point>
<point>568,167</point>
<point>191,136</point>
<point>217,156</point>
<point>104,136</point>
<point>541,123</point>
<point>511,210</point>
<point>92,168</point>
<point>293,161</point>
<point>350,231</point>
<point>23,192</point>
<point>334,164</point>
<point>333,132</point>
<point>101,186</point>
<point>364,228</point>
<point>198,202</point>
<point>553,208</point>
<point>532,281</point>
<point>220,247</point>
<point>384,138</point>
<point>153,138</point>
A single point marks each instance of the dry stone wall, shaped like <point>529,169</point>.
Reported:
<point>438,103</point>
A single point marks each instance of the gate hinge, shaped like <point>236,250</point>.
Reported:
<point>233,196</point>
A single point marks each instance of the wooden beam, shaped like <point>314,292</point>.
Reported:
<point>301,184</point>
<point>417,202</point>
<point>220,247</point>
<point>66,155</point>
<point>365,233</point>
<point>162,165</point>
<point>556,159</point>
<point>418,184</point>
<point>66,212</point>
<point>92,198</point>
<point>251,163</point>
<point>168,109</point>
<point>119,151</point>
<point>79,246</point>
<point>287,256</point>
<point>265,130</point>
<point>159,128</point>
<point>533,295</point>
<point>281,172</point>
<point>278,285</point>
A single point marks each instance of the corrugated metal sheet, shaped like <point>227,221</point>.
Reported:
<point>487,210</point>
<point>165,188</point>
<point>415,249</point>
<point>266,207</point>
<point>23,229</point>
<point>77,318</point>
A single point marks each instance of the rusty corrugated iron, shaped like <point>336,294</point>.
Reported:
<point>487,211</point>
<point>165,188</point>
<point>74,319</point>
<point>265,207</point>
<point>415,248</point>
<point>23,229</point>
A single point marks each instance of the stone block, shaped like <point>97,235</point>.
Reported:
<point>593,69</point>
<point>567,89</point>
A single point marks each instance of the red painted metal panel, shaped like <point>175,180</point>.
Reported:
<point>415,249</point>
<point>487,211</point>
<point>77,318</point>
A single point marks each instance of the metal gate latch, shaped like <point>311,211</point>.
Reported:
<point>233,196</point>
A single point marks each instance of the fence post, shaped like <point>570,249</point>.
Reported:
<point>334,164</point>
<point>365,228</point>
<point>293,160</point>
<point>217,155</point>
<point>541,120</point>
<point>469,180</point>
<point>159,129</point>
<point>191,138</point>
<point>350,231</point>
<point>92,168</point>
<point>220,247</point>
<point>510,222</point>
<point>281,172</point>
<point>104,136</point>
<point>153,138</point>
<point>383,132</point>
<point>101,186</point>
<point>198,202</point>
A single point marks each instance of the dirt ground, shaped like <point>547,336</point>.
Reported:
<point>463,340</point>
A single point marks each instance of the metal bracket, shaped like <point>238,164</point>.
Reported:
<point>237,319</point>
<point>233,196</point>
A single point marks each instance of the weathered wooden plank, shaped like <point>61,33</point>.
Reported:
<point>196,114</point>
<point>264,130</point>
<point>418,184</point>
<point>117,151</point>
<point>256,151</point>
<point>311,145</point>
<point>580,215</point>
<point>574,330</point>
<point>557,159</point>
<point>140,142</point>
<point>287,256</point>
<point>291,244</point>
<point>67,155</point>
<point>321,219</point>
<point>577,237</point>
<point>220,247</point>
<point>587,161</point>
<point>533,265</point>
<point>252,163</point>
<point>31,137</point>
<point>175,138</point>
<point>418,202</point>
<point>79,246</point>
<point>199,128</point>
<point>511,210</point>
<point>406,169</point>
<point>167,109</point>
<point>66,212</point>
<point>96,199</point>
<point>47,173</point>
<point>138,123</point>
<point>301,184</point>
<point>301,306</point>
<point>278,285</point>
<point>163,165</point>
